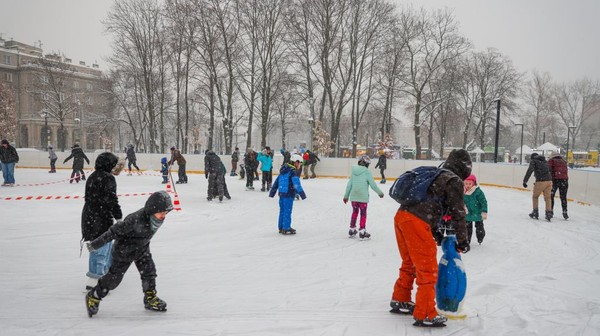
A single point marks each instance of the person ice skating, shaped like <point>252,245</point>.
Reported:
<point>221,183</point>
<point>78,156</point>
<point>560,180</point>
<point>306,163</point>
<point>131,159</point>
<point>266,167</point>
<point>8,159</point>
<point>52,156</point>
<point>382,165</point>
<point>235,157</point>
<point>313,159</point>
<point>212,171</point>
<point>251,164</point>
<point>164,170</point>
<point>132,238</point>
<point>287,185</point>
<point>177,157</point>
<point>543,184</point>
<point>286,155</point>
<point>414,225</point>
<point>476,209</point>
<point>100,208</point>
<point>357,192</point>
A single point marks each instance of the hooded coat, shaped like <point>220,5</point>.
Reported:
<point>132,235</point>
<point>449,188</point>
<point>8,154</point>
<point>78,156</point>
<point>287,184</point>
<point>558,168</point>
<point>212,163</point>
<point>101,202</point>
<point>357,189</point>
<point>539,167</point>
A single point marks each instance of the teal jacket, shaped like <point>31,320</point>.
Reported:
<point>476,204</point>
<point>357,189</point>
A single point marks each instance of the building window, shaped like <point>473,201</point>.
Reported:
<point>8,77</point>
<point>90,101</point>
<point>75,84</point>
<point>44,79</point>
<point>7,59</point>
<point>89,86</point>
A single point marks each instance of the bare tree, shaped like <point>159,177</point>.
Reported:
<point>432,39</point>
<point>577,102</point>
<point>539,96</point>
<point>8,113</point>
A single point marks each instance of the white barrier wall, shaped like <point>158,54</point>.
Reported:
<point>584,186</point>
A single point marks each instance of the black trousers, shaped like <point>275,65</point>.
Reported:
<point>479,231</point>
<point>53,165</point>
<point>267,178</point>
<point>215,185</point>
<point>249,176</point>
<point>132,163</point>
<point>112,279</point>
<point>381,171</point>
<point>563,187</point>
<point>181,173</point>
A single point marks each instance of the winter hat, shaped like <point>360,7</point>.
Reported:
<point>264,152</point>
<point>366,160</point>
<point>472,178</point>
<point>75,146</point>
<point>158,202</point>
<point>459,162</point>
<point>4,142</point>
<point>173,148</point>
<point>163,160</point>
<point>554,154</point>
<point>106,161</point>
<point>295,158</point>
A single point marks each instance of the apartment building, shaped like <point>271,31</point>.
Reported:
<point>57,102</point>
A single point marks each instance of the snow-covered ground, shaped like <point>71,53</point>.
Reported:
<point>224,269</point>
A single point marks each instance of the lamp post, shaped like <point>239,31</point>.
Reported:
<point>568,137</point>
<point>497,100</point>
<point>521,158</point>
<point>44,114</point>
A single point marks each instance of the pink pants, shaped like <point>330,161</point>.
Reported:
<point>356,207</point>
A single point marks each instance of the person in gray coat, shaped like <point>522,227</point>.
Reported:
<point>52,156</point>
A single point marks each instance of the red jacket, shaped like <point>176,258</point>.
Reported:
<point>558,168</point>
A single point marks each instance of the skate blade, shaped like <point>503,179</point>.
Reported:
<point>156,309</point>
<point>423,325</point>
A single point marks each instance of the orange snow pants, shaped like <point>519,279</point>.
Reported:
<point>418,251</point>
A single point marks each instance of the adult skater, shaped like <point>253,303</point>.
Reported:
<point>8,159</point>
<point>177,157</point>
<point>131,159</point>
<point>560,181</point>
<point>543,184</point>
<point>212,171</point>
<point>78,156</point>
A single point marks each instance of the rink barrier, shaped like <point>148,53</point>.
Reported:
<point>67,197</point>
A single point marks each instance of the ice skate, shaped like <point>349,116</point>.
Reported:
<point>92,303</point>
<point>402,307</point>
<point>352,232</point>
<point>565,215</point>
<point>153,302</point>
<point>363,234</point>
<point>435,322</point>
<point>534,214</point>
<point>289,231</point>
<point>549,215</point>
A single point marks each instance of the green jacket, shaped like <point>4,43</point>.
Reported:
<point>476,204</point>
<point>357,189</point>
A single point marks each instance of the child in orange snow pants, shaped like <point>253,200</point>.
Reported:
<point>418,251</point>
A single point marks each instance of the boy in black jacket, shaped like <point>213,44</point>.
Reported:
<point>132,244</point>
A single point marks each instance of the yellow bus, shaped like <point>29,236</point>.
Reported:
<point>583,159</point>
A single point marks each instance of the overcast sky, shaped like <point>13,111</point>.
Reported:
<point>558,36</point>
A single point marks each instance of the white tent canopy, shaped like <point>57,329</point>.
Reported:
<point>526,150</point>
<point>547,147</point>
<point>477,150</point>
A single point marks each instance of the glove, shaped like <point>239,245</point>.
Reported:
<point>524,185</point>
<point>303,195</point>
<point>381,196</point>
<point>484,215</point>
<point>438,236</point>
<point>89,247</point>
<point>463,247</point>
<point>345,200</point>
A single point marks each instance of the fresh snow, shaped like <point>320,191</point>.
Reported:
<point>223,268</point>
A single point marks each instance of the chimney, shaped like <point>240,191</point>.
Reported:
<point>68,60</point>
<point>95,66</point>
<point>82,63</point>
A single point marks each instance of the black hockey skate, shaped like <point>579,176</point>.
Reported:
<point>565,215</point>
<point>549,215</point>
<point>352,232</point>
<point>289,231</point>
<point>406,308</point>
<point>435,322</point>
<point>534,214</point>
<point>92,303</point>
<point>363,234</point>
<point>153,302</point>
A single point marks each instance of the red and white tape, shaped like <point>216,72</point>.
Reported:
<point>67,197</point>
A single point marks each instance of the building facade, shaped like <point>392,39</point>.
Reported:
<point>57,103</point>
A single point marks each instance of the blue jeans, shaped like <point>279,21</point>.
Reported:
<point>8,172</point>
<point>100,261</point>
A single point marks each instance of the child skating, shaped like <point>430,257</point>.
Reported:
<point>132,245</point>
<point>164,170</point>
<point>287,185</point>
<point>357,191</point>
<point>477,209</point>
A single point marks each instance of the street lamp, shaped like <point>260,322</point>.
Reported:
<point>497,100</point>
<point>521,159</point>
<point>45,115</point>
<point>568,137</point>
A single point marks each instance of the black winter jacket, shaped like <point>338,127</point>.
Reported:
<point>78,155</point>
<point>212,163</point>
<point>539,167</point>
<point>381,163</point>
<point>101,202</point>
<point>8,154</point>
<point>131,154</point>
<point>132,236</point>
